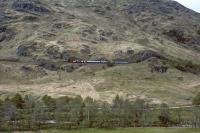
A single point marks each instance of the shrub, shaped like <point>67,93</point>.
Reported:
<point>164,116</point>
<point>196,100</point>
<point>184,65</point>
<point>18,101</point>
<point>110,64</point>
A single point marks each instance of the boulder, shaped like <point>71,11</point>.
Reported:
<point>54,52</point>
<point>130,52</point>
<point>176,34</point>
<point>2,17</point>
<point>6,33</point>
<point>119,53</point>
<point>33,6</point>
<point>33,70</point>
<point>105,33</point>
<point>65,55</point>
<point>67,68</point>
<point>99,10</point>
<point>157,65</point>
<point>3,29</point>
<point>198,31</point>
<point>26,49</point>
<point>159,68</point>
<point>90,30</point>
<point>30,18</point>
<point>152,6</point>
<point>61,25</point>
<point>47,64</point>
<point>2,37</point>
<point>102,38</point>
<point>144,55</point>
<point>86,50</point>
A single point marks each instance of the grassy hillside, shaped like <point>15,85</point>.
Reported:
<point>38,38</point>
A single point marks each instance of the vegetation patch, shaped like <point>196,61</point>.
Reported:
<point>25,113</point>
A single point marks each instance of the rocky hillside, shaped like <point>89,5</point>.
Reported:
<point>160,39</point>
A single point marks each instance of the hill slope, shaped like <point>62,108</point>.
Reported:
<point>38,38</point>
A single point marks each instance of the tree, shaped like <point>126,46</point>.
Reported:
<point>139,108</point>
<point>1,102</point>
<point>18,101</point>
<point>91,109</point>
<point>127,113</point>
<point>29,101</point>
<point>62,103</point>
<point>117,105</point>
<point>49,101</point>
<point>76,109</point>
<point>164,116</point>
<point>196,99</point>
<point>198,31</point>
<point>39,114</point>
<point>117,102</point>
<point>9,110</point>
<point>62,110</point>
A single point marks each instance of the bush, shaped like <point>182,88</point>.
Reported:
<point>184,65</point>
<point>18,101</point>
<point>198,31</point>
<point>196,100</point>
<point>49,101</point>
<point>110,64</point>
<point>164,116</point>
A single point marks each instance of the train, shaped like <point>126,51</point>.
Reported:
<point>99,62</point>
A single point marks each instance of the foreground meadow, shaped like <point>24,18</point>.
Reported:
<point>129,130</point>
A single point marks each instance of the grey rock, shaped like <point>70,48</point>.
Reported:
<point>67,68</point>
<point>159,69</point>
<point>33,70</point>
<point>144,55</point>
<point>2,37</point>
<point>176,34</point>
<point>47,64</point>
<point>85,50</point>
<point>130,52</point>
<point>153,6</point>
<point>65,55</point>
<point>26,49</point>
<point>3,29</point>
<point>30,18</point>
<point>6,33</point>
<point>33,6</point>
<point>54,52</point>
<point>105,33</point>
<point>2,17</point>
<point>99,10</point>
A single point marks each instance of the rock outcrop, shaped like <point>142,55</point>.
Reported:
<point>32,6</point>
<point>159,68</point>
<point>27,48</point>
<point>47,64</point>
<point>6,33</point>
<point>176,35</point>
<point>39,71</point>
<point>2,17</point>
<point>54,52</point>
<point>144,55</point>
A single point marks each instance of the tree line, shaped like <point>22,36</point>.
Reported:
<point>22,113</point>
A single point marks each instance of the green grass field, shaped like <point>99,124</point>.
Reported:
<point>130,130</point>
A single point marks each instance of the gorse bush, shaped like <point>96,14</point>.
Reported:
<point>196,100</point>
<point>185,66</point>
